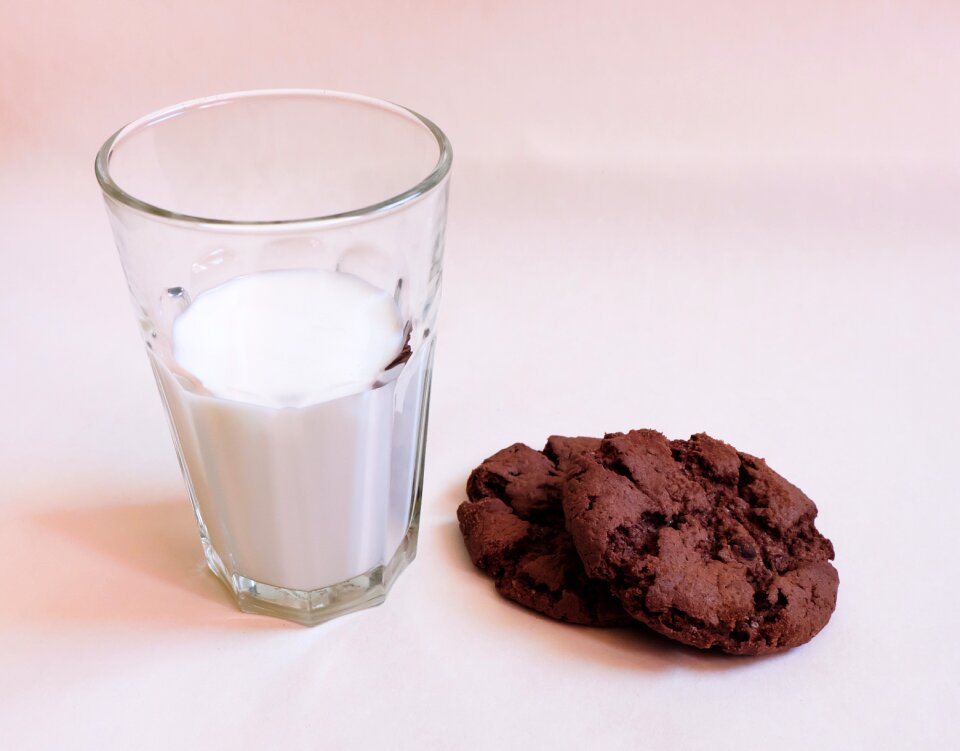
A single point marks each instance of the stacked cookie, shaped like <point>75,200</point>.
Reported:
<point>700,542</point>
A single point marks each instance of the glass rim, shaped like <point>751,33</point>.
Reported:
<point>426,185</point>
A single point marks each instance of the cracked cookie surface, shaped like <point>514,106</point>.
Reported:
<point>704,544</point>
<point>514,531</point>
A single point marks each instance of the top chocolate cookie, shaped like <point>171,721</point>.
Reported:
<point>705,544</point>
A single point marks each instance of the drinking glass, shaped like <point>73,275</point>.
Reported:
<point>306,511</point>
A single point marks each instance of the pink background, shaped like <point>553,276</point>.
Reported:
<point>740,218</point>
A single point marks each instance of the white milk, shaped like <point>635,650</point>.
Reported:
<point>299,457</point>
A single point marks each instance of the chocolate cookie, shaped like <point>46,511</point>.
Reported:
<point>514,531</point>
<point>706,545</point>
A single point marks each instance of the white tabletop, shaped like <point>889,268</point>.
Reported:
<point>786,281</point>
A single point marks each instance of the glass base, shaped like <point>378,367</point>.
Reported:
<point>312,607</point>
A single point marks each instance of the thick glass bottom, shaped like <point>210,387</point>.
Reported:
<point>312,607</point>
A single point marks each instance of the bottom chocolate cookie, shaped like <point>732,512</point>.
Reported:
<point>514,531</point>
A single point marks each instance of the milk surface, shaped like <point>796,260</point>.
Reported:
<point>288,338</point>
<point>298,448</point>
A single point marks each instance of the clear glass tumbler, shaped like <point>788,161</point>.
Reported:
<point>283,250</point>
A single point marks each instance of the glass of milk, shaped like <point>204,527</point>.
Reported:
<point>283,250</point>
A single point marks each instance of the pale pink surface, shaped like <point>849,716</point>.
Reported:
<point>742,221</point>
